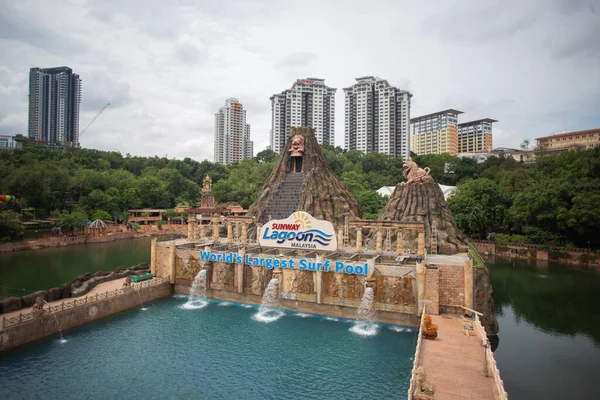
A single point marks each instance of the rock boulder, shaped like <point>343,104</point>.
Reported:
<point>11,304</point>
<point>29,300</point>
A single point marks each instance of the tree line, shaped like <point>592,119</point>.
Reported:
<point>551,201</point>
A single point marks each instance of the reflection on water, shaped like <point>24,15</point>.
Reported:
<point>549,329</point>
<point>23,272</point>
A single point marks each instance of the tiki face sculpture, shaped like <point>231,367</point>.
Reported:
<point>297,146</point>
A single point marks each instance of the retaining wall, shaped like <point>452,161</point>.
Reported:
<point>37,328</point>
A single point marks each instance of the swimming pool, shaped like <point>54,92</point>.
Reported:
<point>214,352</point>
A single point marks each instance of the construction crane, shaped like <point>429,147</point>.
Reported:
<point>81,132</point>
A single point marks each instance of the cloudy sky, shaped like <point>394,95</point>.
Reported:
<point>166,69</point>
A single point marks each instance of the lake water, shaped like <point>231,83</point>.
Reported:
<point>216,352</point>
<point>23,272</point>
<point>549,339</point>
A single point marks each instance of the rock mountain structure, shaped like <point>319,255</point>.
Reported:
<point>303,181</point>
<point>421,200</point>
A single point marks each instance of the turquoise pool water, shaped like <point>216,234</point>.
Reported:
<point>215,352</point>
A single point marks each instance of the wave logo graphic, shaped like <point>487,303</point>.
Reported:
<point>299,230</point>
<point>314,235</point>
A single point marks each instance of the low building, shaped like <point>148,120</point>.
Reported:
<point>580,140</point>
<point>7,142</point>
<point>146,215</point>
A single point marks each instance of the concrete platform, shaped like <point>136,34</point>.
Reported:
<point>454,362</point>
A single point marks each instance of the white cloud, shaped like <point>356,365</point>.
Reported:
<point>167,69</point>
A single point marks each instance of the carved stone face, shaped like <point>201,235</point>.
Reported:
<point>297,146</point>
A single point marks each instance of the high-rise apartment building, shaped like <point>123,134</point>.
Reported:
<point>54,100</point>
<point>377,118</point>
<point>232,133</point>
<point>308,103</point>
<point>435,133</point>
<point>475,136</point>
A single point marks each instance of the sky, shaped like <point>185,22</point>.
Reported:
<point>167,67</point>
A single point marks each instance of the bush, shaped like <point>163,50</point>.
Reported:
<point>586,258</point>
<point>10,226</point>
<point>557,255</point>
<point>476,259</point>
<point>505,238</point>
<point>136,227</point>
<point>159,225</point>
<point>70,222</point>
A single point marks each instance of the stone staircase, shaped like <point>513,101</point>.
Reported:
<point>287,198</point>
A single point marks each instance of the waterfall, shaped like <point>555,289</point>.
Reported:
<point>268,312</point>
<point>197,297</point>
<point>199,285</point>
<point>366,315</point>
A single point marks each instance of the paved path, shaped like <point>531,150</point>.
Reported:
<point>454,362</point>
<point>101,288</point>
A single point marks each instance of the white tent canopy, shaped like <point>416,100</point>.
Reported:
<point>387,191</point>
<point>98,224</point>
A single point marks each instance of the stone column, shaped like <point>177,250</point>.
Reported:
<point>202,233</point>
<point>420,276</point>
<point>468,297</point>
<point>229,233</point>
<point>399,241</point>
<point>172,263</point>
<point>153,257</point>
<point>379,241</point>
<point>319,280</point>
<point>359,244</point>
<point>258,227</point>
<point>239,271</point>
<point>244,233</point>
<point>421,244</point>
<point>194,230</point>
<point>340,239</point>
<point>215,232</point>
<point>190,232</point>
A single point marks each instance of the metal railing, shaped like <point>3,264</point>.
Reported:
<point>411,388</point>
<point>67,305</point>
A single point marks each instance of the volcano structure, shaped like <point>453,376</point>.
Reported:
<point>303,181</point>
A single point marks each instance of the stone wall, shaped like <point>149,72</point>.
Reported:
<point>451,285</point>
<point>327,293</point>
<point>432,294</point>
<point>46,325</point>
<point>338,311</point>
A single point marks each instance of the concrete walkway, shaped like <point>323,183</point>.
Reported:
<point>101,288</point>
<point>454,362</point>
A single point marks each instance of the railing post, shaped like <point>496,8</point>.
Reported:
<point>20,317</point>
<point>3,322</point>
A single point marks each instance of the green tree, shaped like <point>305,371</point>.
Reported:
<point>370,203</point>
<point>73,221</point>
<point>10,226</point>
<point>170,213</point>
<point>478,207</point>
<point>101,214</point>
<point>266,156</point>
